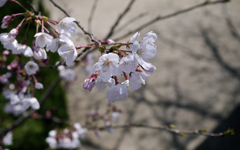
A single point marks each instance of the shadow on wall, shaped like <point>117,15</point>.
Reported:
<point>225,143</point>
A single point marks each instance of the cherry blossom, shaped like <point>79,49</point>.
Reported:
<point>6,18</point>
<point>68,50</point>
<point>80,130</point>
<point>39,53</point>
<point>38,85</point>
<point>108,66</point>
<point>145,50</point>
<point>53,46</point>
<point>151,36</point>
<point>117,92</point>
<point>128,64</point>
<point>67,26</point>
<point>33,102</point>
<point>4,25</point>
<point>43,39</point>
<point>68,74</point>
<point>8,42</point>
<point>7,139</point>
<point>31,68</point>
<point>2,2</point>
<point>24,49</point>
<point>88,84</point>
<point>101,85</point>
<point>13,32</point>
<point>138,77</point>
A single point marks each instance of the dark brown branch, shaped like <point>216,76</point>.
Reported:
<point>170,16</point>
<point>28,114</point>
<point>78,24</point>
<point>55,119</point>
<point>91,15</point>
<point>33,8</point>
<point>119,19</point>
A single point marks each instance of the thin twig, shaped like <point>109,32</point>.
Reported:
<point>170,15</point>
<point>130,21</point>
<point>164,128</point>
<point>28,114</point>
<point>78,24</point>
<point>33,8</point>
<point>55,119</point>
<point>91,15</point>
<point>119,19</point>
<point>167,128</point>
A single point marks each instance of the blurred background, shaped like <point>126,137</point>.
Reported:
<point>196,84</point>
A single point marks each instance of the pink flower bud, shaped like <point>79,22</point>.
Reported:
<point>13,32</point>
<point>4,25</point>
<point>88,84</point>
<point>6,52</point>
<point>109,41</point>
<point>48,113</point>
<point>6,19</point>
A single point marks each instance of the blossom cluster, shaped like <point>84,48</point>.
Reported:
<point>132,63</point>
<point>68,138</point>
<point>20,81</point>
<point>23,98</point>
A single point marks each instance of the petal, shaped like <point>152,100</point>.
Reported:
<point>28,52</point>
<point>101,85</point>
<point>114,58</point>
<point>70,59</point>
<point>96,67</point>
<point>151,36</point>
<point>63,51</point>
<point>66,39</point>
<point>34,103</point>
<point>105,75</point>
<point>134,85</point>
<point>111,82</point>
<point>143,63</point>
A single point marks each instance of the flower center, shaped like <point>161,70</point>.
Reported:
<point>140,52</point>
<point>63,24</point>
<point>107,63</point>
<point>126,63</point>
<point>70,49</point>
<point>42,37</point>
<point>30,66</point>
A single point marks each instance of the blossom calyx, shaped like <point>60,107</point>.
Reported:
<point>44,18</point>
<point>102,48</point>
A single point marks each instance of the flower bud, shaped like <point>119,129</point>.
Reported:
<point>109,41</point>
<point>44,18</point>
<point>13,32</point>
<point>37,22</point>
<point>4,25</point>
<point>6,19</point>
<point>28,14</point>
<point>29,20</point>
<point>6,52</point>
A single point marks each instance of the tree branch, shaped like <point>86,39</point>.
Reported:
<point>78,24</point>
<point>33,8</point>
<point>169,129</point>
<point>119,19</point>
<point>170,15</point>
<point>130,21</point>
<point>91,15</point>
<point>28,114</point>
